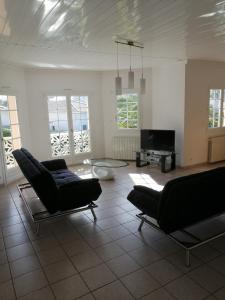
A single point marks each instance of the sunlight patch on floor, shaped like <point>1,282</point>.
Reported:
<point>146,180</point>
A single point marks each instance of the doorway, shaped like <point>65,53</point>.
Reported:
<point>10,136</point>
<point>69,126</point>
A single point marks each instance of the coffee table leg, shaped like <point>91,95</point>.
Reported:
<point>103,173</point>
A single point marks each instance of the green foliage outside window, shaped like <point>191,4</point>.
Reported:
<point>6,132</point>
<point>215,119</point>
<point>127,111</point>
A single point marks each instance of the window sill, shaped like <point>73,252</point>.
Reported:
<point>212,132</point>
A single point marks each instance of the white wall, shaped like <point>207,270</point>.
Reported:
<point>41,83</point>
<point>12,81</point>
<point>109,105</point>
<point>200,77</point>
<point>176,98</point>
<point>168,97</point>
<point>32,86</point>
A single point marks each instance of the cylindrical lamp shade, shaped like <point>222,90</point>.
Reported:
<point>118,83</point>
<point>130,79</point>
<point>142,86</point>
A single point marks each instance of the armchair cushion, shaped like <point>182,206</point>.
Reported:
<point>83,191</point>
<point>34,161</point>
<point>55,164</point>
<point>39,178</point>
<point>62,180</point>
<point>63,175</point>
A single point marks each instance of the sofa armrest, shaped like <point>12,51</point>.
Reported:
<point>82,183</point>
<point>147,191</point>
<point>145,199</point>
<point>55,164</point>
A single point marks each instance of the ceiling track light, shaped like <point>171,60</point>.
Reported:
<point>130,75</point>
<point>220,3</point>
<point>118,79</point>
<point>142,80</point>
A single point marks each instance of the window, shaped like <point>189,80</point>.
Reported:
<point>127,111</point>
<point>69,125</point>
<point>216,108</point>
<point>10,129</point>
<point>58,125</point>
<point>80,118</point>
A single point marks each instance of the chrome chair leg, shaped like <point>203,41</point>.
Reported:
<point>93,213</point>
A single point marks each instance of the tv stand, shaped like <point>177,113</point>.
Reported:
<point>146,157</point>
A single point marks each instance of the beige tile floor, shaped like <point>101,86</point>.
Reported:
<point>75,258</point>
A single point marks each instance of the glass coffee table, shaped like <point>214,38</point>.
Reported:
<point>102,168</point>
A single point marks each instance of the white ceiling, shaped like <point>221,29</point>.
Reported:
<point>80,34</point>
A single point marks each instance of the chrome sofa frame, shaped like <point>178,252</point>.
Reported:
<point>188,246</point>
<point>42,216</point>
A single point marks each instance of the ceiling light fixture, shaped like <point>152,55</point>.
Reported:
<point>212,14</point>
<point>219,3</point>
<point>142,80</point>
<point>118,79</point>
<point>58,23</point>
<point>130,73</point>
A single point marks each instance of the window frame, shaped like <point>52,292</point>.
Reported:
<point>127,92</point>
<point>73,94</point>
<point>68,94</point>
<point>11,93</point>
<point>68,123</point>
<point>221,108</point>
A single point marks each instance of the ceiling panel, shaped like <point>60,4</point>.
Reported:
<point>80,34</point>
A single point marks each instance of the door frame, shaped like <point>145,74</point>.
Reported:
<point>72,158</point>
<point>13,173</point>
<point>2,156</point>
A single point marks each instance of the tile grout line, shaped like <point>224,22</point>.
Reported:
<point>125,251</point>
<point>35,255</point>
<point>69,258</point>
<point>12,279</point>
<point>105,263</point>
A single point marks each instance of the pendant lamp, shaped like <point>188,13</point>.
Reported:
<point>118,79</point>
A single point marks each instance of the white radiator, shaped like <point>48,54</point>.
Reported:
<point>124,147</point>
<point>216,149</point>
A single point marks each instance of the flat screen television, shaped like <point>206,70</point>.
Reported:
<point>154,139</point>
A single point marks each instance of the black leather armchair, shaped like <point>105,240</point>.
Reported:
<point>183,202</point>
<point>57,187</point>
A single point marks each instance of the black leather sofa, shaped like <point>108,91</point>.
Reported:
<point>57,187</point>
<point>183,202</point>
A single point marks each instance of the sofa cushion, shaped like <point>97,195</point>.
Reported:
<point>63,173</point>
<point>61,179</point>
<point>30,171</point>
<point>77,193</point>
<point>37,164</point>
<point>55,164</point>
<point>64,176</point>
<point>39,177</point>
<point>190,199</point>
